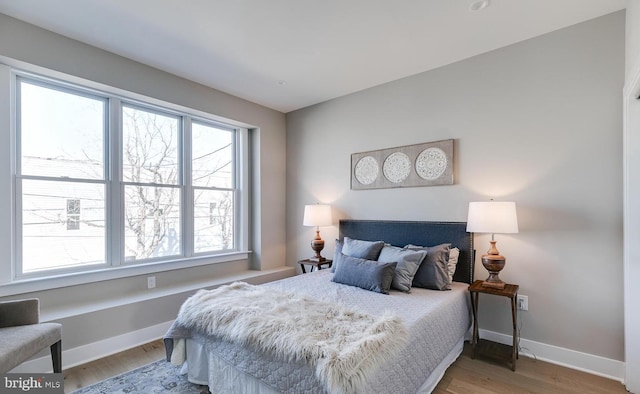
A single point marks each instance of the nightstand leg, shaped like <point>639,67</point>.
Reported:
<point>304,271</point>
<point>514,316</point>
<point>474,309</point>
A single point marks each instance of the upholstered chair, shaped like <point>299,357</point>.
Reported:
<point>22,335</point>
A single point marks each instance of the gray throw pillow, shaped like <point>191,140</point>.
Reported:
<point>336,255</point>
<point>408,264</point>
<point>433,272</point>
<point>369,250</point>
<point>365,274</point>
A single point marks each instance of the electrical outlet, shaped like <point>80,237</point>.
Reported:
<point>523,302</point>
<point>151,282</point>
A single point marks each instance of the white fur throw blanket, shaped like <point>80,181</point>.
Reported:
<point>344,346</point>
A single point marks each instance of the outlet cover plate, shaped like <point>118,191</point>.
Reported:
<point>522,302</point>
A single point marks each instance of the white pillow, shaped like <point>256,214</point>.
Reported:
<point>454,253</point>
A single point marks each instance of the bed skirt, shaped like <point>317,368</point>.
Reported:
<point>221,377</point>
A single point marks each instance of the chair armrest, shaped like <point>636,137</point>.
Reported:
<point>19,312</point>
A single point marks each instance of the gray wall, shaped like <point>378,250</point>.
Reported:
<point>30,44</point>
<point>632,38</point>
<point>632,189</point>
<point>539,123</point>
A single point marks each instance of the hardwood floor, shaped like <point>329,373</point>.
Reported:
<point>95,371</point>
<point>481,376</point>
<point>464,376</point>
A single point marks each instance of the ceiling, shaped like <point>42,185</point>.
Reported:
<point>289,54</point>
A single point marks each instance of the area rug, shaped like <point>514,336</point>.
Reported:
<point>157,377</point>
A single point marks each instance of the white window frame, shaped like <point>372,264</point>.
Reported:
<point>61,86</point>
<point>118,231</point>
<point>10,280</point>
<point>237,181</point>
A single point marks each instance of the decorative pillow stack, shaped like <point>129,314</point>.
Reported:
<point>376,266</point>
<point>354,264</point>
<point>368,250</point>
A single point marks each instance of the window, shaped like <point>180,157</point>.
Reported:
<point>150,171</point>
<point>214,184</point>
<point>73,214</point>
<point>60,163</point>
<point>101,181</point>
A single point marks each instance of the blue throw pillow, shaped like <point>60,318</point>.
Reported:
<point>369,250</point>
<point>408,264</point>
<point>365,274</point>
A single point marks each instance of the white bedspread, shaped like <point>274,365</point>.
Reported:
<point>436,321</point>
<point>344,345</point>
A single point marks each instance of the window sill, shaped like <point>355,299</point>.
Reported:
<point>30,285</point>
<point>254,277</point>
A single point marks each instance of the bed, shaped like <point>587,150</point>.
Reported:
<point>435,325</point>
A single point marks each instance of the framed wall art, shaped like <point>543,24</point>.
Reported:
<point>426,164</point>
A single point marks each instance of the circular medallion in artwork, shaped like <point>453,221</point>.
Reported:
<point>396,167</point>
<point>366,170</point>
<point>431,163</point>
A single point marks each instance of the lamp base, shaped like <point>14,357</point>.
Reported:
<point>494,285</point>
<point>317,244</point>
<point>317,259</point>
<point>494,264</point>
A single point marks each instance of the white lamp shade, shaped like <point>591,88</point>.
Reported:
<point>492,217</point>
<point>317,215</point>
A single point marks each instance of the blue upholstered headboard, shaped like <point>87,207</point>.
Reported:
<point>400,233</point>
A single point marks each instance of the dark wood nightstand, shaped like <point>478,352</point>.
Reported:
<point>492,349</point>
<point>314,264</point>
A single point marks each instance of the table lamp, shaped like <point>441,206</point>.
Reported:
<point>492,217</point>
<point>317,215</point>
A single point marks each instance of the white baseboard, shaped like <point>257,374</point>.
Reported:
<point>596,365</point>
<point>96,350</point>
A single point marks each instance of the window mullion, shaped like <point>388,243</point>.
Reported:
<point>188,226</point>
<point>14,122</point>
<point>115,193</point>
<point>242,189</point>
<point>17,242</point>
